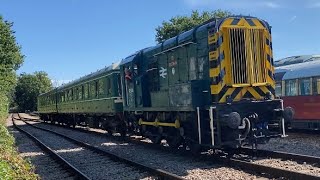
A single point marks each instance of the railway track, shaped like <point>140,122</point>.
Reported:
<point>251,166</point>
<point>88,162</point>
<point>47,165</point>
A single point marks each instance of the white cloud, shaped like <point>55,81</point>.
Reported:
<point>293,18</point>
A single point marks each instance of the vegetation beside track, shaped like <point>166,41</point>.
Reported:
<point>12,166</point>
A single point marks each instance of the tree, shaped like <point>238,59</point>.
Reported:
<point>179,24</point>
<point>11,59</point>
<point>28,88</point>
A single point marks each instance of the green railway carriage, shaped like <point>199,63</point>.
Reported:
<point>93,100</point>
<point>210,86</point>
<point>47,102</point>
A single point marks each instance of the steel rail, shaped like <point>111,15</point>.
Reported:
<point>282,155</point>
<point>53,154</point>
<point>159,172</point>
<point>276,172</point>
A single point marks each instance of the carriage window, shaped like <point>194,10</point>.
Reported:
<point>86,91</point>
<point>108,85</point>
<point>305,85</point>
<point>119,85</point>
<point>278,89</point>
<point>92,89</point>
<point>76,93</point>
<point>80,92</point>
<point>97,88</point>
<point>291,88</point>
<point>316,85</point>
<point>101,87</point>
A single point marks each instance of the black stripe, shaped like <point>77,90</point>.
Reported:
<point>216,80</point>
<point>235,93</point>
<point>222,92</point>
<point>269,58</point>
<point>211,31</point>
<point>267,41</point>
<point>247,95</point>
<point>251,23</point>
<point>271,89</point>
<point>270,74</point>
<point>235,21</point>
<point>213,64</point>
<point>259,91</point>
<point>213,47</point>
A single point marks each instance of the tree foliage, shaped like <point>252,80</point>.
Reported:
<point>11,59</point>
<point>179,24</point>
<point>28,88</point>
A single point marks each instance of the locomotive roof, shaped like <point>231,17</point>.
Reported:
<point>296,60</point>
<point>299,70</point>
<point>184,38</point>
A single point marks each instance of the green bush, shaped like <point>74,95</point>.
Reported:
<point>12,166</point>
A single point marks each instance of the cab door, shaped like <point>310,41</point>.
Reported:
<point>129,86</point>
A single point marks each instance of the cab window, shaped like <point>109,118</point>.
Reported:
<point>291,88</point>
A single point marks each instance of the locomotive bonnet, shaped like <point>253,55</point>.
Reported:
<point>211,86</point>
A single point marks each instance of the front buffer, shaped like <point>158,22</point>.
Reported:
<point>246,122</point>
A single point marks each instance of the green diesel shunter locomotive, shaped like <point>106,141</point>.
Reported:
<point>212,86</point>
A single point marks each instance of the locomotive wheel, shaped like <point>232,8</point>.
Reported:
<point>194,147</point>
<point>174,139</point>
<point>156,139</point>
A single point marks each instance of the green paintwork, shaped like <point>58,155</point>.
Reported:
<point>179,65</point>
<point>98,92</point>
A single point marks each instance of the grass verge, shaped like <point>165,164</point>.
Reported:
<point>12,166</point>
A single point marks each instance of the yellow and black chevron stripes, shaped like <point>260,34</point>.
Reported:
<point>216,61</point>
<point>269,57</point>
<point>220,54</point>
<point>235,94</point>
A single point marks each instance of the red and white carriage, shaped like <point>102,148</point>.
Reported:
<point>298,84</point>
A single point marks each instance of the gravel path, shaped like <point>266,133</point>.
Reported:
<point>295,143</point>
<point>189,168</point>
<point>291,165</point>
<point>306,144</point>
<point>94,165</point>
<point>44,165</point>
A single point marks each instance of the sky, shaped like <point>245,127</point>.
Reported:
<point>71,38</point>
